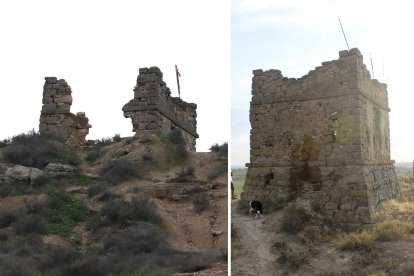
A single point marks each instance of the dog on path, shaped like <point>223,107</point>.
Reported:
<point>256,206</point>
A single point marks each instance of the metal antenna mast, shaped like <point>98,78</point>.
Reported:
<point>177,74</point>
<point>343,34</point>
<point>372,66</point>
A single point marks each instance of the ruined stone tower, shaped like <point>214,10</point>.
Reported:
<point>153,110</point>
<point>326,136</point>
<point>55,117</point>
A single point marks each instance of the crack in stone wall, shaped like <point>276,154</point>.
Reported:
<point>324,135</point>
<point>153,110</point>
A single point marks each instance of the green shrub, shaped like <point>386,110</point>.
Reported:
<point>35,150</point>
<point>87,266</point>
<point>16,189</point>
<point>7,218</point>
<point>144,209</point>
<point>142,238</point>
<point>177,139</point>
<point>118,171</point>
<point>41,181</point>
<point>93,156</point>
<point>64,211</point>
<point>294,219</point>
<point>32,223</point>
<point>116,210</point>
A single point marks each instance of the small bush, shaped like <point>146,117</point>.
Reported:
<point>218,170</point>
<point>200,202</point>
<point>294,219</point>
<point>15,189</point>
<point>103,142</point>
<point>147,155</point>
<point>279,246</point>
<point>221,150</point>
<point>7,218</point>
<point>3,236</point>
<point>117,138</point>
<point>177,139</point>
<point>293,260</point>
<point>145,210</point>
<point>185,175</point>
<point>145,139</point>
<point>107,195</point>
<point>393,230</point>
<point>118,171</point>
<point>356,241</point>
<point>35,207</point>
<point>35,150</point>
<point>32,223</point>
<point>311,235</point>
<point>41,181</point>
<point>87,266</point>
<point>97,189</point>
<point>116,211</point>
<point>142,238</point>
<point>93,156</point>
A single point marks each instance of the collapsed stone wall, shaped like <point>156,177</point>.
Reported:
<point>326,136</point>
<point>153,110</point>
<point>56,118</point>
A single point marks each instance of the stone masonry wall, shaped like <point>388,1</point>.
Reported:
<point>56,118</point>
<point>154,110</point>
<point>326,136</point>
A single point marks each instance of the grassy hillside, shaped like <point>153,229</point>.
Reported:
<point>134,207</point>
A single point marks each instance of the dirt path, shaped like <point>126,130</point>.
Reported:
<point>251,245</point>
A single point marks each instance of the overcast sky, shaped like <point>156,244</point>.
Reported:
<point>98,47</point>
<point>296,36</point>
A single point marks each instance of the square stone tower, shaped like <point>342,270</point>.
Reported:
<point>324,136</point>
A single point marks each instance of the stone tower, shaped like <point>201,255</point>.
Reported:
<point>326,136</point>
<point>56,118</point>
<point>153,110</point>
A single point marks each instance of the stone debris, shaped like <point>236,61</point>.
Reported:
<point>22,174</point>
<point>153,110</point>
<point>325,135</point>
<point>56,118</point>
<point>57,169</point>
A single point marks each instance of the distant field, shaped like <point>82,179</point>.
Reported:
<point>239,175</point>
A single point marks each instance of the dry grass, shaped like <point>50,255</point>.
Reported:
<point>401,208</point>
<point>356,241</point>
<point>393,230</point>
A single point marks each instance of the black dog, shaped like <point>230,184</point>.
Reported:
<point>256,206</point>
